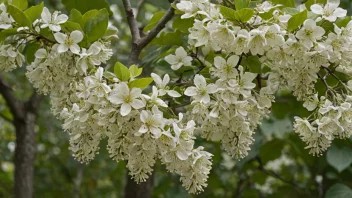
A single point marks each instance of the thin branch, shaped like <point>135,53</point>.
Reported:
<point>132,22</point>
<point>32,104</point>
<point>159,26</point>
<point>275,175</point>
<point>139,6</point>
<point>15,105</point>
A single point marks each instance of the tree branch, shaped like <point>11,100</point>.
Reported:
<point>132,22</point>
<point>275,175</point>
<point>16,106</point>
<point>138,42</point>
<point>159,26</point>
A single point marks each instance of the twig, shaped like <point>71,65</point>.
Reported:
<point>132,22</point>
<point>275,175</point>
<point>15,105</point>
<point>138,42</point>
<point>139,7</point>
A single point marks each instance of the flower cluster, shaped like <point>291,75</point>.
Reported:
<point>95,104</point>
<point>296,56</point>
<point>240,60</point>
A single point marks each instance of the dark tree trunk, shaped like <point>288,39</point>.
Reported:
<point>142,190</point>
<point>24,155</point>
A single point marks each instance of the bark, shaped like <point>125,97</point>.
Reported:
<point>142,190</point>
<point>24,155</point>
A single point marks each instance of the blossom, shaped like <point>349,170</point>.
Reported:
<point>162,85</point>
<point>154,98</point>
<point>127,98</point>
<point>226,69</point>
<point>179,59</point>
<point>201,90</point>
<point>152,121</point>
<point>52,21</point>
<point>5,19</point>
<point>257,42</point>
<point>89,57</point>
<point>309,33</point>
<point>69,42</point>
<point>331,10</point>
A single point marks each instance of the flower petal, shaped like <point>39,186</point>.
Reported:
<point>125,109</point>
<point>76,36</point>
<point>60,37</point>
<point>137,104</point>
<point>191,91</point>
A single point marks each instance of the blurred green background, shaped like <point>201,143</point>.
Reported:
<point>278,165</point>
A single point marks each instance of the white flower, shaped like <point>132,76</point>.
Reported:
<point>52,21</point>
<point>311,103</point>
<point>152,121</point>
<point>257,42</point>
<point>88,57</point>
<point>162,85</point>
<point>69,42</point>
<point>274,36</point>
<point>309,33</point>
<point>331,10</point>
<point>128,98</point>
<point>226,69</point>
<point>201,90</point>
<point>241,42</point>
<point>188,7</point>
<point>41,54</point>
<point>5,19</point>
<point>179,59</point>
<point>154,98</point>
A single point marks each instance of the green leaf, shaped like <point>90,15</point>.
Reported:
<point>271,150</point>
<point>19,16</point>
<point>290,11</point>
<point>86,5</point>
<point>287,3</point>
<point>171,38</point>
<point>183,24</point>
<point>76,16</point>
<point>297,20</point>
<point>153,21</point>
<point>239,4</point>
<point>135,71</point>
<point>30,50</point>
<point>245,14</point>
<point>70,26</point>
<point>122,72</point>
<point>34,12</point>
<point>140,83</point>
<point>253,64</point>
<point>343,22</point>
<point>96,26</point>
<point>242,15</point>
<point>6,33</point>
<point>339,191</point>
<point>338,158</point>
<point>20,4</point>
<point>229,14</point>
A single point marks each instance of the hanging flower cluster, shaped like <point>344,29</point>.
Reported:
<point>241,58</point>
<point>297,47</point>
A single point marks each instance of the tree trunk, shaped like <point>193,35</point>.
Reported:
<point>142,190</point>
<point>24,155</point>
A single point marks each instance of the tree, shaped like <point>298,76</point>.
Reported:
<point>220,81</point>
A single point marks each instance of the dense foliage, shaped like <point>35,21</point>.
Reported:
<point>232,64</point>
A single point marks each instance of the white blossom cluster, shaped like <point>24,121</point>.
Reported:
<point>228,98</point>
<point>94,104</point>
<point>232,105</point>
